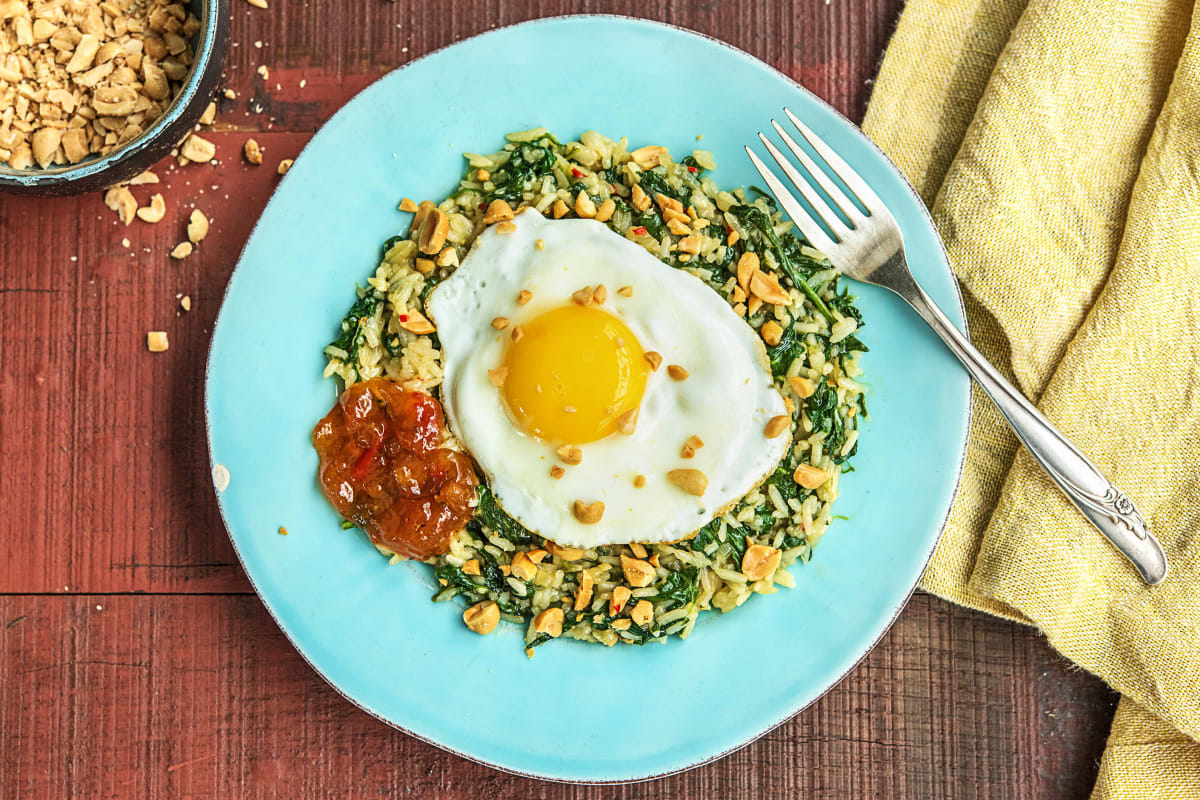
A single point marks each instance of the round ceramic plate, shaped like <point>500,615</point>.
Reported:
<point>575,711</point>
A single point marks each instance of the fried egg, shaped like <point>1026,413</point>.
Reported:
<point>606,396</point>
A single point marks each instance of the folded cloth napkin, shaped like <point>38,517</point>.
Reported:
<point>1058,144</point>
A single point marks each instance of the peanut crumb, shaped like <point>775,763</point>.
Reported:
<point>156,341</point>
<point>181,251</point>
<point>282,531</point>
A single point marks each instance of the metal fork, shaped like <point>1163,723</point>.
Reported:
<point>865,243</point>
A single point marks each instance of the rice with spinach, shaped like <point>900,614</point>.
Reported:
<point>634,593</point>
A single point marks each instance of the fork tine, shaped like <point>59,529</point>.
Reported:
<point>814,232</point>
<point>843,203</point>
<point>840,168</point>
<point>824,212</point>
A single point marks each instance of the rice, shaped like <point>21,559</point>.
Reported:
<point>819,344</point>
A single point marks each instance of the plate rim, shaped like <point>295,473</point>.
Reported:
<point>788,715</point>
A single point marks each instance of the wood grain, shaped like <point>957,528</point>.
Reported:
<point>133,663</point>
<point>201,696</point>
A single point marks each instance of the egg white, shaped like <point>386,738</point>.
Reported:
<point>726,400</point>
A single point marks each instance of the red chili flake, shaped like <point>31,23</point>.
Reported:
<point>404,317</point>
<point>693,169</point>
<point>612,187</point>
<point>576,172</point>
<point>640,231</point>
<point>482,206</point>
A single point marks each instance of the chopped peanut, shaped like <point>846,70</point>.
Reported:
<point>777,425</point>
<point>497,211</point>
<point>482,617</point>
<point>648,156</point>
<point>771,332</point>
<point>498,376</point>
<point>625,291</point>
<point>156,341</point>
<point>732,238</point>
<point>760,561</point>
<point>448,257</point>
<point>641,201</point>
<point>639,481</point>
<point>690,244</point>
<point>197,227</point>
<point>433,232</point>
<point>482,174</point>
<point>809,476</point>
<point>565,553</point>
<point>522,567</point>
<point>537,556</point>
<point>408,205</point>
<point>539,244</point>
<point>606,210</point>
<point>284,166</point>
<point>802,386</point>
<point>524,296</point>
<point>560,209</point>
<point>122,201</point>
<point>518,333</point>
<point>621,624</point>
<point>584,296</point>
<point>599,295</point>
<point>570,454</point>
<point>557,472</point>
<point>638,549</point>
<point>653,359</point>
<point>584,206</point>
<point>692,481</point>
<point>506,227</point>
<point>584,595</point>
<point>637,572</point>
<point>677,372</point>
<point>424,265</point>
<point>153,212</point>
<point>746,267</point>
<point>472,567</point>
<point>253,152</point>
<point>197,148</point>
<point>642,613</point>
<point>690,447</point>
<point>181,251</point>
<point>500,323</point>
<point>627,422</point>
<point>588,513</point>
<point>414,321</point>
<point>767,287</point>
<point>620,597</point>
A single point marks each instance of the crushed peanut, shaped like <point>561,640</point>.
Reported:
<point>79,79</point>
<point>197,227</point>
<point>471,567</point>
<point>153,212</point>
<point>584,296</point>
<point>638,549</point>
<point>524,296</point>
<point>809,476</point>
<point>803,387</point>
<point>640,200</point>
<point>760,561</point>
<point>690,447</point>
<point>639,481</point>
<point>746,267</point>
<point>692,481</point>
<point>156,341</point>
<point>771,332</point>
<point>518,333</point>
<point>606,210</point>
<point>584,595</point>
<point>497,211</point>
<point>653,359</point>
<point>506,227</point>
<point>408,205</point>
<point>549,622</point>
<point>599,295</point>
<point>253,152</point>
<point>648,156</point>
<point>539,244</point>
<point>448,257</point>
<point>620,596</point>
<point>197,148</point>
<point>122,201</point>
<point>625,291</point>
<point>588,513</point>
<point>284,166</point>
<point>522,567</point>
<point>185,303</point>
<point>627,422</point>
<point>557,472</point>
<point>777,425</point>
<point>767,287</point>
<point>677,372</point>
<point>500,323</point>
<point>498,376</point>
<point>414,321</point>
<point>584,206</point>
<point>565,553</point>
<point>570,454</point>
<point>560,209</point>
<point>638,573</point>
<point>210,114</point>
<point>181,251</point>
<point>642,613</point>
<point>482,617</point>
<point>424,265</point>
<point>433,231</point>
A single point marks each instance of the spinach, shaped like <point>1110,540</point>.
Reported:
<point>389,244</point>
<point>392,343</point>
<point>528,162</point>
<point>679,588</point>
<point>351,339</point>
<point>453,576</point>
<point>690,161</point>
<point>570,620</point>
<point>822,411</point>
<point>752,216</point>
<point>766,197</point>
<point>705,536</point>
<point>790,541</point>
<point>653,223</point>
<point>488,512</point>
<point>491,572</point>
<point>612,175</point>
<point>654,184</point>
<point>854,343</point>
<point>735,538</point>
<point>783,354</point>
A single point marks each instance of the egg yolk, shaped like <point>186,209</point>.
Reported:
<point>570,375</point>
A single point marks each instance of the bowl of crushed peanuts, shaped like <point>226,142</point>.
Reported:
<point>92,92</point>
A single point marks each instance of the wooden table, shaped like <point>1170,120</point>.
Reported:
<point>136,662</point>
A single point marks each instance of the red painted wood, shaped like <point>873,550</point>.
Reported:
<point>187,689</point>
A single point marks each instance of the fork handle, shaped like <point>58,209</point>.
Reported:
<point>1106,506</point>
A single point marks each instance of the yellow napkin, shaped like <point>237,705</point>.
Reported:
<point>1058,143</point>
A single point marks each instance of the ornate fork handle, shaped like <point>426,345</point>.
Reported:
<point>1108,508</point>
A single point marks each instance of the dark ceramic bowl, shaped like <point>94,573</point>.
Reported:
<point>98,172</point>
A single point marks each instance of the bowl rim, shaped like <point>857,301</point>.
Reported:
<point>901,605</point>
<point>151,144</point>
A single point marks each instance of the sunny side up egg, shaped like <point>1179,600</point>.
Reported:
<point>649,396</point>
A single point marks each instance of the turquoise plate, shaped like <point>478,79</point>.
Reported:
<point>574,712</point>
